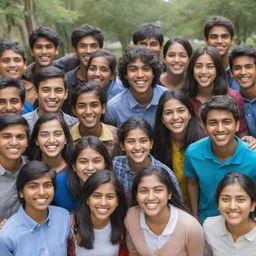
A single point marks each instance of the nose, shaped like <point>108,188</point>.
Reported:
<point>88,49</point>
<point>137,145</point>
<point>220,127</point>
<point>44,50</point>
<point>14,140</point>
<point>233,204</point>
<point>243,71</point>
<point>175,115</point>
<point>219,39</point>
<point>88,110</point>
<point>103,200</point>
<point>41,190</point>
<point>12,63</point>
<point>97,72</point>
<point>90,166</point>
<point>9,107</point>
<point>177,58</point>
<point>52,94</point>
<point>204,69</point>
<point>140,73</point>
<point>150,195</point>
<point>51,137</point>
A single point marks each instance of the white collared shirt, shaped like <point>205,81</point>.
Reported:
<point>221,242</point>
<point>154,241</point>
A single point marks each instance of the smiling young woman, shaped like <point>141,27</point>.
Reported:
<point>97,225</point>
<point>158,222</point>
<point>235,229</point>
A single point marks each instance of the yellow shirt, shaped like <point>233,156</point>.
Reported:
<point>178,168</point>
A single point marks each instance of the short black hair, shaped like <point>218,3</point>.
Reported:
<point>87,30</point>
<point>220,102</point>
<point>31,171</point>
<point>48,73</point>
<point>146,55</point>
<point>44,32</point>
<point>180,40</point>
<point>13,119</point>
<point>14,46</point>
<point>240,51</point>
<point>218,21</point>
<point>89,87</point>
<point>148,30</point>
<point>6,82</point>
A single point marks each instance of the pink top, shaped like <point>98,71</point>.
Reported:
<point>239,100</point>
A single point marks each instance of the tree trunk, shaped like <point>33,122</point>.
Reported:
<point>30,17</point>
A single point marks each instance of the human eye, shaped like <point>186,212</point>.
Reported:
<point>154,44</point>
<point>21,136</point>
<point>5,60</point>
<point>95,104</point>
<point>225,198</point>
<point>211,122</point>
<point>225,36</point>
<point>181,110</point>
<point>198,65</point>
<point>92,68</point>
<point>210,66</point>
<point>44,134</point>
<point>144,140</point>
<point>227,121</point>
<point>167,112</point>
<point>171,54</point>
<point>158,190</point>
<point>130,141</point>
<point>249,66</point>
<point>94,46</point>
<point>6,136</point>
<point>241,199</point>
<point>147,68</point>
<point>32,186</point>
<point>48,185</point>
<point>2,101</point>
<point>104,69</point>
<point>18,60</point>
<point>59,90</point>
<point>80,105</point>
<point>111,196</point>
<point>237,67</point>
<point>45,89</point>
<point>49,46</point>
<point>132,69</point>
<point>183,55</point>
<point>96,195</point>
<point>14,101</point>
<point>142,190</point>
<point>97,160</point>
<point>58,133</point>
<point>213,36</point>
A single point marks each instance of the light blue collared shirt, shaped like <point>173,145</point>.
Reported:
<point>124,106</point>
<point>22,236</point>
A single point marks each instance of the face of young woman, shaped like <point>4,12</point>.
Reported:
<point>37,194</point>
<point>137,145</point>
<point>205,71</point>
<point>88,162</point>
<point>102,203</point>
<point>176,59</point>
<point>51,138</point>
<point>152,196</point>
<point>235,205</point>
<point>175,116</point>
<point>99,71</point>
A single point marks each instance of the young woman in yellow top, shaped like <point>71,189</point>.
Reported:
<point>176,128</point>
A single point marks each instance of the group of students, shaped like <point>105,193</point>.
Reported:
<point>92,163</point>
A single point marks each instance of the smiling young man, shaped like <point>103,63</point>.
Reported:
<point>208,160</point>
<point>139,70</point>
<point>43,44</point>
<point>219,33</point>
<point>52,91</point>
<point>243,66</point>
<point>14,135</point>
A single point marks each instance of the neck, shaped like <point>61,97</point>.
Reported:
<point>178,139</point>
<point>41,112</point>
<point>136,167</point>
<point>11,165</point>
<point>57,163</point>
<point>226,152</point>
<point>99,224</point>
<point>158,222</point>
<point>94,131</point>
<point>225,60</point>
<point>241,229</point>
<point>38,216</point>
<point>172,81</point>
<point>204,93</point>
<point>81,73</point>
<point>143,98</point>
<point>249,93</point>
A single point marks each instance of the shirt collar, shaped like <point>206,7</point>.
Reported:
<point>169,228</point>
<point>3,171</point>
<point>29,222</point>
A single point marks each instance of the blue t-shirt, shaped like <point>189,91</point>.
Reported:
<point>62,195</point>
<point>201,163</point>
<point>250,115</point>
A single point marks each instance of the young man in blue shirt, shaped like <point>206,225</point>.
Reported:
<point>139,71</point>
<point>208,160</point>
<point>243,66</point>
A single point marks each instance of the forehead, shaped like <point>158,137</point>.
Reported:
<point>51,125</point>
<point>176,47</point>
<point>242,60</point>
<point>10,54</point>
<point>234,189</point>
<point>87,97</point>
<point>88,40</point>
<point>89,153</point>
<point>14,129</point>
<point>149,40</point>
<point>9,92</point>
<point>138,62</point>
<point>219,115</point>
<point>205,58</point>
<point>219,30</point>
<point>136,133</point>
<point>56,82</point>
<point>173,104</point>
<point>45,178</point>
<point>150,181</point>
<point>43,41</point>
<point>105,188</point>
<point>100,61</point>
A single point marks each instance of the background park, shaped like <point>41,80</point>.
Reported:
<point>119,18</point>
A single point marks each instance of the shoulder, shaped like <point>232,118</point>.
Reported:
<point>58,212</point>
<point>132,215</point>
<point>234,94</point>
<point>213,225</point>
<point>116,99</point>
<point>198,146</point>
<point>188,221</point>
<point>159,88</point>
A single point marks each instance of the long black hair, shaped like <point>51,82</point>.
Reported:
<point>83,222</point>
<point>164,178</point>
<point>85,142</point>
<point>162,148</point>
<point>220,82</point>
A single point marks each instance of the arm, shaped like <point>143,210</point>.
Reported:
<point>251,141</point>
<point>5,248</point>
<point>193,191</point>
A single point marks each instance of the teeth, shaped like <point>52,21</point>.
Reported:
<point>140,82</point>
<point>234,214</point>
<point>245,79</point>
<point>12,71</point>
<point>151,205</point>
<point>102,210</point>
<point>177,124</point>
<point>97,80</point>
<point>88,174</point>
<point>177,66</point>
<point>220,136</point>
<point>13,150</point>
<point>89,118</point>
<point>51,147</point>
<point>41,200</point>
<point>204,78</point>
<point>138,154</point>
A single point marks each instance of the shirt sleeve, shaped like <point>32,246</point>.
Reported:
<point>6,247</point>
<point>109,116</point>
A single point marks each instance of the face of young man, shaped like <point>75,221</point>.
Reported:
<point>244,72</point>
<point>44,52</point>
<point>51,95</point>
<point>11,64</point>
<point>220,38</point>
<point>85,47</point>
<point>221,128</point>
<point>151,43</point>
<point>10,101</point>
